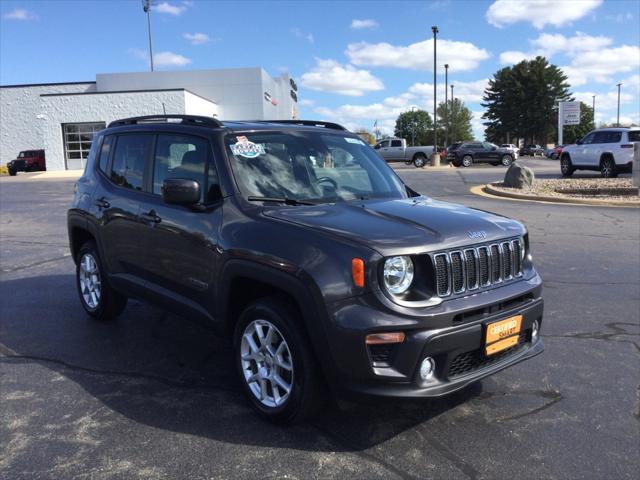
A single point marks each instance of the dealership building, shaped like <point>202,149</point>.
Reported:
<point>62,118</point>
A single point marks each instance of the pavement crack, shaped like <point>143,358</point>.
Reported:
<point>465,467</point>
<point>35,264</point>
<point>553,397</point>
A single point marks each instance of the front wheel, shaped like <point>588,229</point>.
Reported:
<point>98,299</point>
<point>608,168</point>
<point>420,161</point>
<point>506,160</point>
<point>12,172</point>
<point>566,167</point>
<point>275,362</point>
<point>467,161</point>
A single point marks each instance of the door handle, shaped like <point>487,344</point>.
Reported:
<point>102,203</point>
<point>151,216</point>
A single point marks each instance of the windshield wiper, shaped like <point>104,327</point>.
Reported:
<point>285,200</point>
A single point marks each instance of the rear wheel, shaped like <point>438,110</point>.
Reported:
<point>608,168</point>
<point>97,297</point>
<point>506,160</point>
<point>467,161</point>
<point>275,361</point>
<point>566,167</point>
<point>419,160</point>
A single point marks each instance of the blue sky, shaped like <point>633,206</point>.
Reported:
<point>355,62</point>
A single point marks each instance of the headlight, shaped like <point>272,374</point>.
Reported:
<point>398,274</point>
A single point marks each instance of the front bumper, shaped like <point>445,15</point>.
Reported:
<point>17,165</point>
<point>451,333</point>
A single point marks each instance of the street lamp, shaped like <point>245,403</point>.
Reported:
<point>618,120</point>
<point>593,108</point>
<point>434,29</point>
<point>451,119</point>
<point>146,6</point>
<point>413,128</point>
<point>446,104</point>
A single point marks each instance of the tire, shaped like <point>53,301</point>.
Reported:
<point>97,297</point>
<point>259,366</point>
<point>419,161</point>
<point>495,164</point>
<point>566,167</point>
<point>12,172</point>
<point>506,160</point>
<point>608,168</point>
<point>408,162</point>
<point>467,161</point>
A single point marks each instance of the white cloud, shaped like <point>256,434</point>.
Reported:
<point>170,59</point>
<point>460,56</point>
<point>477,125</point>
<point>539,12</point>
<point>304,35</point>
<point>511,57</point>
<point>197,38</point>
<point>604,100</point>
<point>331,76</point>
<point>365,23</point>
<point>602,65</point>
<point>547,45</point>
<point>19,14</point>
<point>171,9</point>
<point>469,92</point>
<point>306,102</point>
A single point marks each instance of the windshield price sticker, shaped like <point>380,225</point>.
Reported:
<point>354,140</point>
<point>244,148</point>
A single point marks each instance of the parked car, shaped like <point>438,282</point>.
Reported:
<point>532,150</point>
<point>396,150</point>
<point>27,161</point>
<point>515,150</point>
<point>609,150</point>
<point>555,152</point>
<point>476,152</point>
<point>326,277</point>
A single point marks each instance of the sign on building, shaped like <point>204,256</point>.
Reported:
<point>570,113</point>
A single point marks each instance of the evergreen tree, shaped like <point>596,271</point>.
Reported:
<point>458,117</point>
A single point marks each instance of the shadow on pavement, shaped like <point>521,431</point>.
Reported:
<point>164,371</point>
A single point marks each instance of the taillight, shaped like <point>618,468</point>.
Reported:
<point>626,145</point>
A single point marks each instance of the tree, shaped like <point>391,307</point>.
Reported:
<point>522,101</point>
<point>576,132</point>
<point>459,119</point>
<point>366,135</point>
<point>415,126</point>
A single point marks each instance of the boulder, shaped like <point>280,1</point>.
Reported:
<point>518,176</point>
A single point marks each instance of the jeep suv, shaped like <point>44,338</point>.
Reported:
<point>609,150</point>
<point>27,161</point>
<point>298,242</point>
<point>476,152</point>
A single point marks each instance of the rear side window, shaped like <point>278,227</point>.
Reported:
<point>180,156</point>
<point>103,163</point>
<point>129,157</point>
<point>634,136</point>
<point>396,143</point>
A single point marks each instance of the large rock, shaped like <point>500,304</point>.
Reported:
<point>518,176</point>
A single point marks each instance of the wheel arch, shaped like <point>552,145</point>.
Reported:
<point>606,155</point>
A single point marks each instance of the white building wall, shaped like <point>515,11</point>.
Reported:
<point>19,108</point>
<point>59,109</point>
<point>195,105</point>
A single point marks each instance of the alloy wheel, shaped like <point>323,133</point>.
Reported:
<point>607,168</point>
<point>266,363</point>
<point>467,161</point>
<point>90,283</point>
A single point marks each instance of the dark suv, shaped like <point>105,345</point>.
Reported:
<point>297,241</point>
<point>476,152</point>
<point>27,161</point>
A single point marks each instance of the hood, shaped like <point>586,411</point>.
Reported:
<point>402,226</point>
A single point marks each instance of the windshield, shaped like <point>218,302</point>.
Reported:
<point>315,166</point>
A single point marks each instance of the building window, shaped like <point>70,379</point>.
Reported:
<point>77,138</point>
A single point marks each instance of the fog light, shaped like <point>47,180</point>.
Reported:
<point>534,331</point>
<point>427,368</point>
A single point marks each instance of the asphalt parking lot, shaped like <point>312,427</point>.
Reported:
<point>153,396</point>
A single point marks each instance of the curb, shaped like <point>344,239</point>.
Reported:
<point>489,191</point>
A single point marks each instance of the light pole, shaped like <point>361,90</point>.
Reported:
<point>593,108</point>
<point>618,120</point>
<point>451,117</point>
<point>413,128</point>
<point>434,29</point>
<point>446,105</point>
<point>146,6</point>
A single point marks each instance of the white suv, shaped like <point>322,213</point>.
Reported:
<point>609,150</point>
<point>513,148</point>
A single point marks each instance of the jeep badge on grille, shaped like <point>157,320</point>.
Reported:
<point>478,234</point>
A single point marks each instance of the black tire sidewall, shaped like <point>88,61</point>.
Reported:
<point>282,318</point>
<point>419,161</point>
<point>612,167</point>
<point>469,157</point>
<point>569,170</point>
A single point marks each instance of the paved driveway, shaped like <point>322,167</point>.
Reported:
<point>153,396</point>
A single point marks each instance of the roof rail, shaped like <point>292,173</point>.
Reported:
<point>308,123</point>
<point>185,119</point>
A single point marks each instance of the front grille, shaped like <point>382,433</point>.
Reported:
<point>477,267</point>
<point>475,360</point>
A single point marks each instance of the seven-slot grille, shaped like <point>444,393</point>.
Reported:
<point>477,267</point>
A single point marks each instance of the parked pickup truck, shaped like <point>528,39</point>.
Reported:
<point>396,150</point>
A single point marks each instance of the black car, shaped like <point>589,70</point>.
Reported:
<point>476,152</point>
<point>298,242</point>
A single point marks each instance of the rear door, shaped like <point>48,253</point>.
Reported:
<point>395,151</point>
<point>596,148</point>
<point>181,242</point>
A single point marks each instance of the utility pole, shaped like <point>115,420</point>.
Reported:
<point>593,108</point>
<point>446,105</point>
<point>146,6</point>
<point>434,29</point>
<point>618,120</point>
<point>451,119</point>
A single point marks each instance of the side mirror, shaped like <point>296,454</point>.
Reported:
<point>180,191</point>
<point>377,146</point>
<point>493,149</point>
